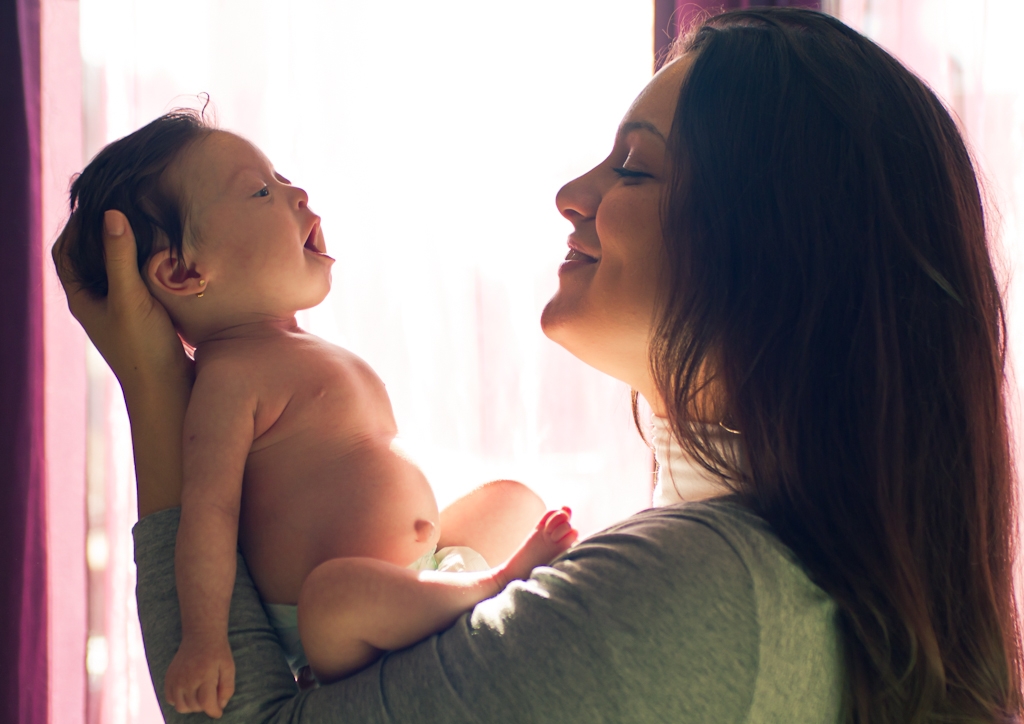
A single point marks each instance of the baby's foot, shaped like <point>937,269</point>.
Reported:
<point>553,535</point>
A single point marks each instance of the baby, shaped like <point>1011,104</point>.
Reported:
<point>289,441</point>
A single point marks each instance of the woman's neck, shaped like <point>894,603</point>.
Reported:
<point>680,478</point>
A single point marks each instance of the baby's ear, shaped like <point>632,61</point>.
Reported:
<point>172,275</point>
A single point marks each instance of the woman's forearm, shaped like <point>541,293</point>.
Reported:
<point>157,413</point>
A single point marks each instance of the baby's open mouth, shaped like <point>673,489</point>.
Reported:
<point>314,242</point>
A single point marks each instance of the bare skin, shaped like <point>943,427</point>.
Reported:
<point>303,427</point>
<point>602,313</point>
<point>353,609</point>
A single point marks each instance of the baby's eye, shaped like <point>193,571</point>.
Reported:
<point>262,192</point>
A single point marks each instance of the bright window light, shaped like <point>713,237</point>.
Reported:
<point>431,138</point>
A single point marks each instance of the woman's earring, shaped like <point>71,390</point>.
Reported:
<point>728,429</point>
<point>202,283</point>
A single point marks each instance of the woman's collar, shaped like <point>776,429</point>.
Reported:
<point>680,479</point>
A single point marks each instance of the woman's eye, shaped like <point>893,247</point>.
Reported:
<point>627,173</point>
<point>263,192</point>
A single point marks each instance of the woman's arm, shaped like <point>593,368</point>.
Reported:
<point>135,336</point>
<point>137,339</point>
<point>654,620</point>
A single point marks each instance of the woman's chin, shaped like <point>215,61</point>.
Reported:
<point>555,320</point>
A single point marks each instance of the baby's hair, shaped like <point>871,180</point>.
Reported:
<point>126,176</point>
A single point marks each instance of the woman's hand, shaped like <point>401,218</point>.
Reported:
<point>129,327</point>
<point>137,339</point>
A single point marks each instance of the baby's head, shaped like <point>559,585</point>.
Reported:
<point>223,240</point>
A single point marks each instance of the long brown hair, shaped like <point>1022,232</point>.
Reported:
<point>828,263</point>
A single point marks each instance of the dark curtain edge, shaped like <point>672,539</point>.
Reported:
<point>23,600</point>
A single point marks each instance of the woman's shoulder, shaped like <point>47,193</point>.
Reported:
<point>718,556</point>
<point>722,535</point>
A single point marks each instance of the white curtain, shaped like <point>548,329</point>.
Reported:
<point>431,138</point>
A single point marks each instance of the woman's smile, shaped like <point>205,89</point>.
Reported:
<point>605,305</point>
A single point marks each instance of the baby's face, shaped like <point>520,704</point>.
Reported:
<point>258,246</point>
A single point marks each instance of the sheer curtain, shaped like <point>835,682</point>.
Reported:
<point>431,138</point>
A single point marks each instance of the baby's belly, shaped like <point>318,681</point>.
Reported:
<point>301,507</point>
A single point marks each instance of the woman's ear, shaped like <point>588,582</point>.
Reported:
<point>172,275</point>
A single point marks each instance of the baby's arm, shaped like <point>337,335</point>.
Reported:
<point>218,434</point>
<point>352,609</point>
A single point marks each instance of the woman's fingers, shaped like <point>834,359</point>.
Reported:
<point>120,257</point>
<point>83,306</point>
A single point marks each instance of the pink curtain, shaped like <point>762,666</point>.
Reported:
<point>23,610</point>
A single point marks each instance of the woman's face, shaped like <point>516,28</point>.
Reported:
<point>605,306</point>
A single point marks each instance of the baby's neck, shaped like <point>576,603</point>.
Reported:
<point>262,329</point>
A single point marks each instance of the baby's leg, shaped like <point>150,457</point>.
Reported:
<point>492,520</point>
<point>352,609</point>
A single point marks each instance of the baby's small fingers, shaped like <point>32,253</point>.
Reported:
<point>186,701</point>
<point>206,698</point>
<point>226,685</point>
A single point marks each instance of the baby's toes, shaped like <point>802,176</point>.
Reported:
<point>542,524</point>
<point>557,525</point>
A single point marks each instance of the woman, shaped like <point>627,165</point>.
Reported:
<point>785,254</point>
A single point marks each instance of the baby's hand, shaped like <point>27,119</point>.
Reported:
<point>201,677</point>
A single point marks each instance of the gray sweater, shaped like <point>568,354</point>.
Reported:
<point>687,613</point>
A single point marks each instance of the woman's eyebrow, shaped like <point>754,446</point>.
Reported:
<point>631,126</point>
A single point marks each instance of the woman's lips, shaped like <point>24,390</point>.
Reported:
<point>575,259</point>
<point>575,254</point>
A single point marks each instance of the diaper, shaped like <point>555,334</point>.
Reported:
<point>284,617</point>
<point>451,559</point>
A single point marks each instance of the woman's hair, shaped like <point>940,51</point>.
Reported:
<point>127,176</point>
<point>829,275</point>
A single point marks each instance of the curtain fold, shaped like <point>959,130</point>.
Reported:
<point>23,606</point>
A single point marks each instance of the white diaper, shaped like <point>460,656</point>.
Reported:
<point>284,617</point>
<point>451,559</point>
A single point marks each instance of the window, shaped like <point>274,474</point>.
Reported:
<point>431,138</point>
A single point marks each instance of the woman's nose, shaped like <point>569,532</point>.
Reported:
<point>578,200</point>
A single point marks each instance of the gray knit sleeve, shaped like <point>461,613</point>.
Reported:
<point>652,620</point>
<point>263,681</point>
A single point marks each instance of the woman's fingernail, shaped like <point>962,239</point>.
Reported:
<point>113,223</point>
